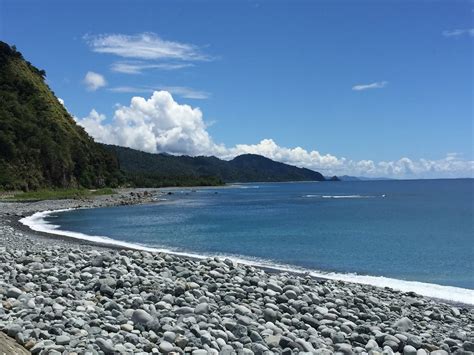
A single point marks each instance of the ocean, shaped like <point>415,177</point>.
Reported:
<point>412,235</point>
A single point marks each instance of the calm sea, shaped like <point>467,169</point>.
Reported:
<point>390,231</point>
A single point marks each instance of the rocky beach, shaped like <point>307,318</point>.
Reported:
<point>66,296</point>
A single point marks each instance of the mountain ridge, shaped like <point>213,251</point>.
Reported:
<point>243,168</point>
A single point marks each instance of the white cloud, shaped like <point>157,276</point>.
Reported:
<point>157,124</point>
<point>94,81</point>
<point>459,32</point>
<point>160,124</point>
<point>295,156</point>
<point>61,101</point>
<point>186,92</point>
<point>182,91</point>
<point>376,85</point>
<point>147,46</point>
<point>139,67</point>
<point>93,124</point>
<point>131,89</point>
<point>450,166</point>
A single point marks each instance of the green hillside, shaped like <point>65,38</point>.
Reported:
<point>252,167</point>
<point>41,146</point>
<point>40,143</point>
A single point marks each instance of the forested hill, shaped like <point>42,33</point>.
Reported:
<point>258,168</point>
<point>41,146</point>
<point>145,168</point>
<point>40,143</point>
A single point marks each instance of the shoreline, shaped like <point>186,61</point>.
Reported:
<point>266,292</point>
<point>18,225</point>
<point>422,288</point>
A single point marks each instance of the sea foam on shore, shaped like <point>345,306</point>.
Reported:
<point>38,223</point>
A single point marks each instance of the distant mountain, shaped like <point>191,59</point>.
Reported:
<point>40,143</point>
<point>148,169</point>
<point>251,167</point>
<point>349,178</point>
<point>362,178</point>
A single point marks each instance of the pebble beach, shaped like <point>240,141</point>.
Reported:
<point>66,296</point>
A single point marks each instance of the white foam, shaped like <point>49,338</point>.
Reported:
<point>347,196</point>
<point>38,223</point>
<point>448,293</point>
<point>342,196</point>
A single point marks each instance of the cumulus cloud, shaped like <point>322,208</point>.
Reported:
<point>148,46</point>
<point>139,67</point>
<point>160,124</point>
<point>376,85</point>
<point>295,156</point>
<point>94,81</point>
<point>93,124</point>
<point>459,32</point>
<point>157,124</point>
<point>452,165</point>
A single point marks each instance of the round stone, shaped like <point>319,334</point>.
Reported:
<point>166,347</point>
<point>141,316</point>
<point>202,308</point>
<point>409,350</point>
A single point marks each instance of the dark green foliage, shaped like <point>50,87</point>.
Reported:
<point>251,167</point>
<point>41,146</point>
<point>145,169</point>
<point>40,143</point>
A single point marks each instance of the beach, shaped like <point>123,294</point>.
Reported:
<point>66,295</point>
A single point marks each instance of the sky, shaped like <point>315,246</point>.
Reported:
<point>364,88</point>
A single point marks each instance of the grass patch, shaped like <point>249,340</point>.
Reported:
<point>59,194</point>
<point>104,191</point>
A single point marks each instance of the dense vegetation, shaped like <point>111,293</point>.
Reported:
<point>145,169</point>
<point>40,143</point>
<point>41,146</point>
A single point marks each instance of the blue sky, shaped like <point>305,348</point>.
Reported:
<point>278,72</point>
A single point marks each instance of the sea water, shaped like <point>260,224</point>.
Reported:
<point>411,235</point>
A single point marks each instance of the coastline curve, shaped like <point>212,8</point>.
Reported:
<point>452,294</point>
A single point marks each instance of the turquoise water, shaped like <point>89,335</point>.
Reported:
<point>407,230</point>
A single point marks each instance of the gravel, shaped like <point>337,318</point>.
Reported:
<point>60,296</point>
